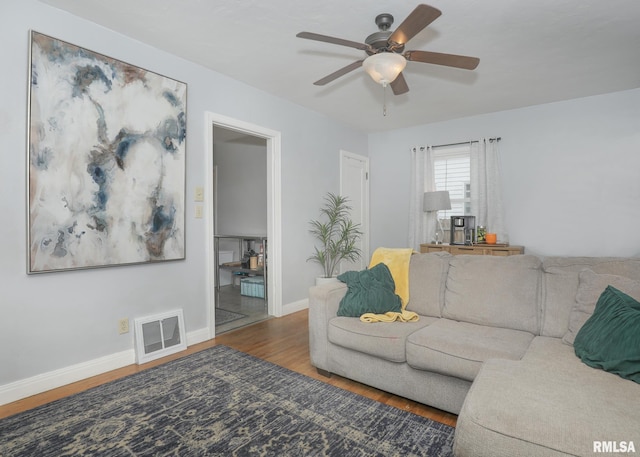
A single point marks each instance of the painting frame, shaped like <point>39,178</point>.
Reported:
<point>106,161</point>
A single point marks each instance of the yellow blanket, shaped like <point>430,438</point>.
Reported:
<point>404,316</point>
<point>397,260</point>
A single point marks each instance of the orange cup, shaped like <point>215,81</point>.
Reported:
<point>490,238</point>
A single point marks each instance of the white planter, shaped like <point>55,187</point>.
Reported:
<point>320,280</point>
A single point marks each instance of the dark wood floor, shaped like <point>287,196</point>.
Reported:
<point>283,341</point>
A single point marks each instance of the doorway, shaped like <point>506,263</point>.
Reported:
<point>240,228</point>
<point>268,142</point>
<point>354,184</point>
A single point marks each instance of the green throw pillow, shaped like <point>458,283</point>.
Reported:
<point>370,291</point>
<point>610,339</point>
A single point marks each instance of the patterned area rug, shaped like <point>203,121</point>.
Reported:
<point>221,402</point>
<point>224,316</point>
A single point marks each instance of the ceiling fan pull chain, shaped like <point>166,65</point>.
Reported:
<point>384,98</point>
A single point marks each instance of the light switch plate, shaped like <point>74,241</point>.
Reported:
<point>199,194</point>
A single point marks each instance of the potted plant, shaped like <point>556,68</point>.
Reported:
<point>336,234</point>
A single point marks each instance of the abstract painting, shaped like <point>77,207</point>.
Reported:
<point>106,161</point>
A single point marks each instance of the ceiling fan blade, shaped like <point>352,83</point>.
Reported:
<point>419,18</point>
<point>336,74</point>
<point>399,85</point>
<point>448,60</point>
<point>333,40</point>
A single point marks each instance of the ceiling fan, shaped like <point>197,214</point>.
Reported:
<point>385,49</point>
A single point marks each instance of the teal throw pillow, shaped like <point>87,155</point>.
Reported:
<point>370,291</point>
<point>610,339</point>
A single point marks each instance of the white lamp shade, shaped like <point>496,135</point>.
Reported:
<point>436,201</point>
<point>384,67</point>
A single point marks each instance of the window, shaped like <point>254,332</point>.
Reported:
<point>452,172</point>
<point>453,168</point>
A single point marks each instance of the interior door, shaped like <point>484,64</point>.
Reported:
<point>354,184</point>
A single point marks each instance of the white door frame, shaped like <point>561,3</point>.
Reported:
<point>274,211</point>
<point>365,196</point>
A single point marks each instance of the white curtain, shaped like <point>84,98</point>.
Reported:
<point>422,226</point>
<point>486,192</point>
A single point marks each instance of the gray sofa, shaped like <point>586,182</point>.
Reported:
<point>494,345</point>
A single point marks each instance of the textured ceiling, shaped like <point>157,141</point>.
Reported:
<point>531,52</point>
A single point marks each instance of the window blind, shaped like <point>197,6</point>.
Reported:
<point>452,172</point>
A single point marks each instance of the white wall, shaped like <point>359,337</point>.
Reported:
<point>241,188</point>
<point>570,171</point>
<point>57,320</point>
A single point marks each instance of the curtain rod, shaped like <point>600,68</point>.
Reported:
<point>465,142</point>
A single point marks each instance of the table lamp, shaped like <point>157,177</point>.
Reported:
<point>436,201</point>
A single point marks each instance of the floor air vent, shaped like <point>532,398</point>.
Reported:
<point>159,335</point>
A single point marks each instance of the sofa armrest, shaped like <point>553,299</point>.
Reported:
<point>324,301</point>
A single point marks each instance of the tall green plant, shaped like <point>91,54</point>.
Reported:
<point>336,233</point>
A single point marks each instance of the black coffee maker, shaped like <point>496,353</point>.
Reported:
<point>463,230</point>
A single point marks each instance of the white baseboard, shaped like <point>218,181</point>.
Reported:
<point>198,336</point>
<point>41,383</point>
<point>295,306</point>
<point>58,378</point>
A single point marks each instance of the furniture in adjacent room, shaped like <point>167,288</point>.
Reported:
<point>474,249</point>
<point>245,243</point>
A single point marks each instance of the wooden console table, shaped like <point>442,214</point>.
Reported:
<point>476,249</point>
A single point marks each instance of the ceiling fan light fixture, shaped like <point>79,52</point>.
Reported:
<point>384,67</point>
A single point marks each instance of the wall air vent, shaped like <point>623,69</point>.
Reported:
<point>160,335</point>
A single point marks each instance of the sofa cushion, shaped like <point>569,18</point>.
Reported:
<point>610,339</point>
<point>382,339</point>
<point>370,291</point>
<point>459,348</point>
<point>561,285</point>
<point>547,404</point>
<point>494,291</point>
<point>590,287</point>
<point>427,279</point>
